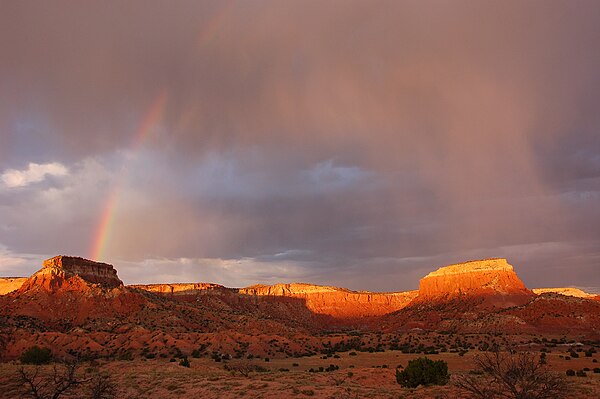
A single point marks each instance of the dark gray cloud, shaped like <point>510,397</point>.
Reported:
<point>364,143</point>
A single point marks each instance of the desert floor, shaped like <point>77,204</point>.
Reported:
<point>364,375</point>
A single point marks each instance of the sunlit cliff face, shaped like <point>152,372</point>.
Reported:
<point>355,144</point>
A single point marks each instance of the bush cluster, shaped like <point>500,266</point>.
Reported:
<point>423,371</point>
<point>36,355</point>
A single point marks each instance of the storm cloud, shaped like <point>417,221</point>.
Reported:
<point>355,143</point>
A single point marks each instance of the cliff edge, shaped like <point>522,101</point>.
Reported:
<point>61,270</point>
<point>489,276</point>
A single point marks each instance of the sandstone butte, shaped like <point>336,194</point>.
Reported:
<point>491,277</point>
<point>62,271</point>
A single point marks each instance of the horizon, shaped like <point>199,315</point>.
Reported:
<point>589,290</point>
<point>348,144</point>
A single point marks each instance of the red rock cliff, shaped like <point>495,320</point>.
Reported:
<point>178,289</point>
<point>60,270</point>
<point>331,301</point>
<point>489,276</point>
<point>336,302</point>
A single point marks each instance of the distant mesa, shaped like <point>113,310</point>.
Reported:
<point>181,289</point>
<point>492,278</point>
<point>320,299</point>
<point>567,291</point>
<point>488,276</point>
<point>68,270</point>
<point>10,284</point>
<point>334,301</point>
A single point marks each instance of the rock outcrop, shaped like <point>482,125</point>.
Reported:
<point>489,276</point>
<point>10,284</point>
<point>568,291</point>
<point>68,270</point>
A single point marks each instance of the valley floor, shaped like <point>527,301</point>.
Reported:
<point>364,375</point>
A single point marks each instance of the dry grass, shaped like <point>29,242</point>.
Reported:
<point>205,378</point>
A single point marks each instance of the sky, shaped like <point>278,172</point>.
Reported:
<point>360,144</point>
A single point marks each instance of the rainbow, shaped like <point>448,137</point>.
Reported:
<point>102,232</point>
<point>210,30</point>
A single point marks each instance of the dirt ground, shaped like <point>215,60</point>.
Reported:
<point>364,375</point>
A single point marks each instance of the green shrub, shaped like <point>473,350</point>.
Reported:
<point>184,362</point>
<point>125,356</point>
<point>570,372</point>
<point>423,371</point>
<point>36,355</point>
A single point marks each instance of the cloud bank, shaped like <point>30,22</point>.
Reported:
<point>34,173</point>
<point>369,141</point>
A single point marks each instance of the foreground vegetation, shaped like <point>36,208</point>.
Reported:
<point>334,374</point>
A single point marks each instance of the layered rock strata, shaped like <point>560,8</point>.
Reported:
<point>489,276</point>
<point>326,300</point>
<point>57,271</point>
<point>336,302</point>
<point>181,289</point>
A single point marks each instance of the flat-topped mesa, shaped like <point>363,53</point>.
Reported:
<point>292,289</point>
<point>334,301</point>
<point>10,284</point>
<point>179,289</point>
<point>55,271</point>
<point>489,276</point>
<point>320,299</point>
<point>567,291</point>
